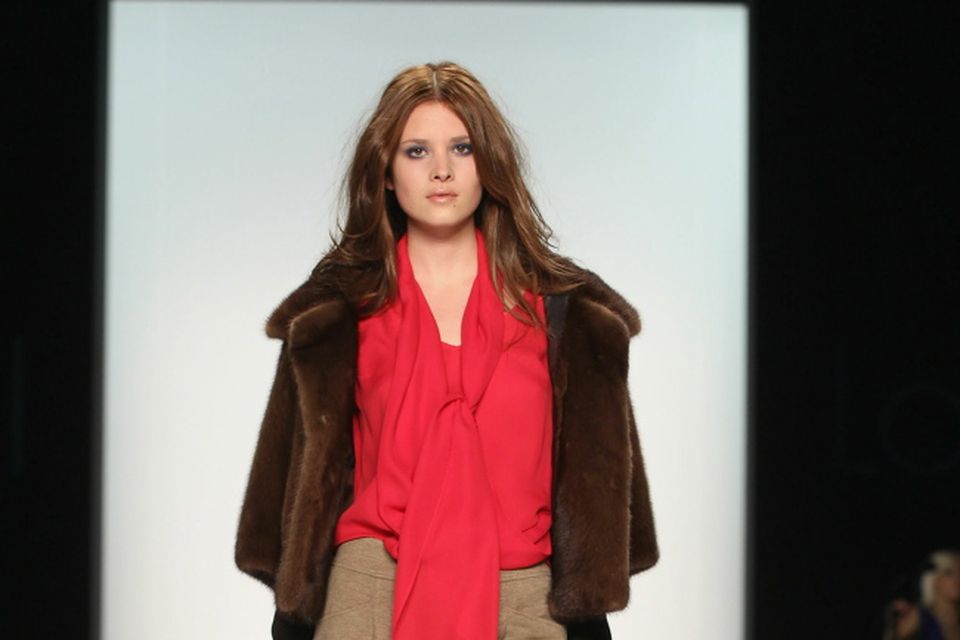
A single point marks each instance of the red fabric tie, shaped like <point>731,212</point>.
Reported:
<point>433,488</point>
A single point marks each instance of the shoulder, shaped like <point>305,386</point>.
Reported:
<point>927,619</point>
<point>603,304</point>
<point>315,303</point>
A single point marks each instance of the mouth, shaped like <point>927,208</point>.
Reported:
<point>442,196</point>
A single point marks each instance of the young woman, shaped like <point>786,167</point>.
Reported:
<point>449,449</point>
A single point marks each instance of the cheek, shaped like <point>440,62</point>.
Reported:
<point>400,178</point>
<point>469,171</point>
<point>406,174</point>
<point>948,584</point>
<point>472,168</point>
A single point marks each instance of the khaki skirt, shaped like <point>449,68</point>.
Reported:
<point>360,597</point>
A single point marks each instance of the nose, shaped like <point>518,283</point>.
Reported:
<point>442,170</point>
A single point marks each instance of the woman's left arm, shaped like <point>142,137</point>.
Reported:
<point>644,551</point>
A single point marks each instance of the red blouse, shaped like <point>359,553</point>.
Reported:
<point>517,446</point>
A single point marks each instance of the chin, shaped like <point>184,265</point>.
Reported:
<point>440,222</point>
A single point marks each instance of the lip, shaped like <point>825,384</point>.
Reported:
<point>442,195</point>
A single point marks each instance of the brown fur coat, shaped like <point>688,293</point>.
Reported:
<point>301,478</point>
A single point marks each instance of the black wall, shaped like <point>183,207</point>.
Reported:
<point>855,346</point>
<point>51,320</point>
<point>856,310</point>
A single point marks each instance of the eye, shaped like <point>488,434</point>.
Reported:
<point>464,148</point>
<point>415,152</point>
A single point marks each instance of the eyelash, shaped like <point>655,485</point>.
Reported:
<point>468,151</point>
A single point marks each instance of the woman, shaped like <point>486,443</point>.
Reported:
<point>938,615</point>
<point>449,448</point>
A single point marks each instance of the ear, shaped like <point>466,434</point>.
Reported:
<point>388,181</point>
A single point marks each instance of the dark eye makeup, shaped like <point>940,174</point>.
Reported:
<point>418,151</point>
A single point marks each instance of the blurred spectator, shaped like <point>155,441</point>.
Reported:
<point>937,615</point>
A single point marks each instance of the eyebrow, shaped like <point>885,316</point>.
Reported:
<point>422,141</point>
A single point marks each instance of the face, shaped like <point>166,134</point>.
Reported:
<point>948,583</point>
<point>433,172</point>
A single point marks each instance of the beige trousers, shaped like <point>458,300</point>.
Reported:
<point>360,597</point>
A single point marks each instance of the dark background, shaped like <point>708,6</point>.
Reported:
<point>855,313</point>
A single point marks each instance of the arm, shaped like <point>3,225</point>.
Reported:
<point>644,551</point>
<point>259,535</point>
<point>260,532</point>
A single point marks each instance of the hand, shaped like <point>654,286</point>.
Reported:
<point>902,619</point>
<point>899,608</point>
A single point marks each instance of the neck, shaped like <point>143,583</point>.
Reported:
<point>442,257</point>
<point>945,611</point>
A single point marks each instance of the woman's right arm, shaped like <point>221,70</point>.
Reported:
<point>259,535</point>
<point>260,532</point>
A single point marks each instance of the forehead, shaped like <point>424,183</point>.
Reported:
<point>433,119</point>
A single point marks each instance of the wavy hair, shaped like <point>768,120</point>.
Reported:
<point>361,260</point>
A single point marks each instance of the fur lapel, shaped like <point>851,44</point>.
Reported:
<point>334,308</point>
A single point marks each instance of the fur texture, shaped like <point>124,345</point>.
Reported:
<point>301,478</point>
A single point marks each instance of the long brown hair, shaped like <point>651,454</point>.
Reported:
<point>361,262</point>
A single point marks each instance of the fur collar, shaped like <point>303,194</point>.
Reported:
<point>313,307</point>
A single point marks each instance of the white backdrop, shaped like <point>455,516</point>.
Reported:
<point>230,125</point>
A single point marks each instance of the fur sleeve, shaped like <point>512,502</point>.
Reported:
<point>644,551</point>
<point>260,530</point>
